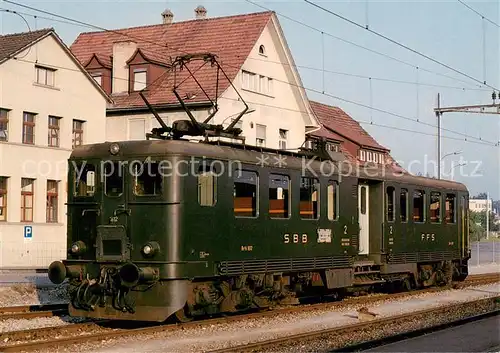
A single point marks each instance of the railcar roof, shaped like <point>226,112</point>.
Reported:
<point>252,155</point>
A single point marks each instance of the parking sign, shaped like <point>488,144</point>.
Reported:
<point>28,232</point>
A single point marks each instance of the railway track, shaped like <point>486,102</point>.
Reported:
<point>100,330</point>
<point>33,311</point>
<point>303,339</point>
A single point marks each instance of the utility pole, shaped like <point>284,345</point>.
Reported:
<point>488,215</point>
<point>438,116</point>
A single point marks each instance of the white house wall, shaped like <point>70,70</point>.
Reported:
<point>74,97</point>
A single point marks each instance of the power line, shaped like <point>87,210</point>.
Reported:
<point>398,43</point>
<point>479,14</point>
<point>286,82</point>
<point>360,46</point>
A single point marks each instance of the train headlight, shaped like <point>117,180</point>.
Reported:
<point>78,248</point>
<point>114,148</point>
<point>150,249</point>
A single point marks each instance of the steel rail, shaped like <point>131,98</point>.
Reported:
<point>32,311</point>
<point>373,324</point>
<point>115,333</point>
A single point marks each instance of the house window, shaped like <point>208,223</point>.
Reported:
<point>435,207</point>
<point>98,78</point>
<point>279,196</point>
<point>52,201</point>
<point>29,128</point>
<point>54,125</point>
<point>330,146</point>
<point>207,186</point>
<point>309,198</point>
<point>332,197</point>
<point>4,124</point>
<point>403,205</point>
<point>262,50</point>
<point>140,77</point>
<point>45,76</point>
<point>260,135</point>
<point>390,201</point>
<point>256,83</point>
<point>283,139</point>
<point>27,193</point>
<point>418,206</point>
<point>77,133</point>
<point>450,208</point>
<point>245,194</point>
<point>3,198</point>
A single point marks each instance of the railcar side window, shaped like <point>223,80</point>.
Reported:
<point>418,206</point>
<point>147,179</point>
<point>332,197</point>
<point>435,207</point>
<point>450,208</point>
<point>309,198</point>
<point>84,180</point>
<point>245,194</point>
<point>403,205</point>
<point>207,186</point>
<point>113,182</point>
<point>390,200</point>
<point>279,196</point>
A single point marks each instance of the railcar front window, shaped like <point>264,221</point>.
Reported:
<point>245,194</point>
<point>435,207</point>
<point>403,205</point>
<point>309,198</point>
<point>389,201</point>
<point>279,196</point>
<point>450,208</point>
<point>84,177</point>
<point>147,179</point>
<point>113,182</point>
<point>418,206</point>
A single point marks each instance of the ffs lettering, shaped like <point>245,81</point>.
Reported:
<point>428,237</point>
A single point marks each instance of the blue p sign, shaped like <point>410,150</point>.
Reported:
<point>28,231</point>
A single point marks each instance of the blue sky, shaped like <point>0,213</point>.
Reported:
<point>444,30</point>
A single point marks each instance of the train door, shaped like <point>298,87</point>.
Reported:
<point>364,219</point>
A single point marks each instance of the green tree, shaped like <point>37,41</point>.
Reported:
<point>477,224</point>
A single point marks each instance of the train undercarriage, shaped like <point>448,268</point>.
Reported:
<point>129,292</point>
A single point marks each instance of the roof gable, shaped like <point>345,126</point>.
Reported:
<point>334,119</point>
<point>11,44</point>
<point>230,38</point>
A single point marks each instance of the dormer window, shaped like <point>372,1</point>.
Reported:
<point>262,50</point>
<point>98,78</point>
<point>140,77</point>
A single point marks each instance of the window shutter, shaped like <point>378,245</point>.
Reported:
<point>261,131</point>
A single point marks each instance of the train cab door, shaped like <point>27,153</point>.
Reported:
<point>364,218</point>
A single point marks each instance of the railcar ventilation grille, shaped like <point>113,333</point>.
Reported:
<point>424,256</point>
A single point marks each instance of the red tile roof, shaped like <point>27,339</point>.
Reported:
<point>230,38</point>
<point>335,122</point>
<point>12,43</point>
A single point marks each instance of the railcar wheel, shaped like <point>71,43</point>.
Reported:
<point>183,316</point>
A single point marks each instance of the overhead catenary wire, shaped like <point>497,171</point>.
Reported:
<point>361,46</point>
<point>398,43</point>
<point>285,82</point>
<point>478,13</point>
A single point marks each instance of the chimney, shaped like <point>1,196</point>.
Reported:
<point>167,16</point>
<point>200,12</point>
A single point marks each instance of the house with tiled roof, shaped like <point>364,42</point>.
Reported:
<point>342,133</point>
<point>48,104</point>
<point>256,64</point>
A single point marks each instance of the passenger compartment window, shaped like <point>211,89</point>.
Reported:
<point>435,207</point>
<point>309,198</point>
<point>207,186</point>
<point>279,196</point>
<point>403,205</point>
<point>147,179</point>
<point>84,180</point>
<point>245,194</point>
<point>418,206</point>
<point>113,182</point>
<point>450,208</point>
<point>390,199</point>
<point>332,191</point>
